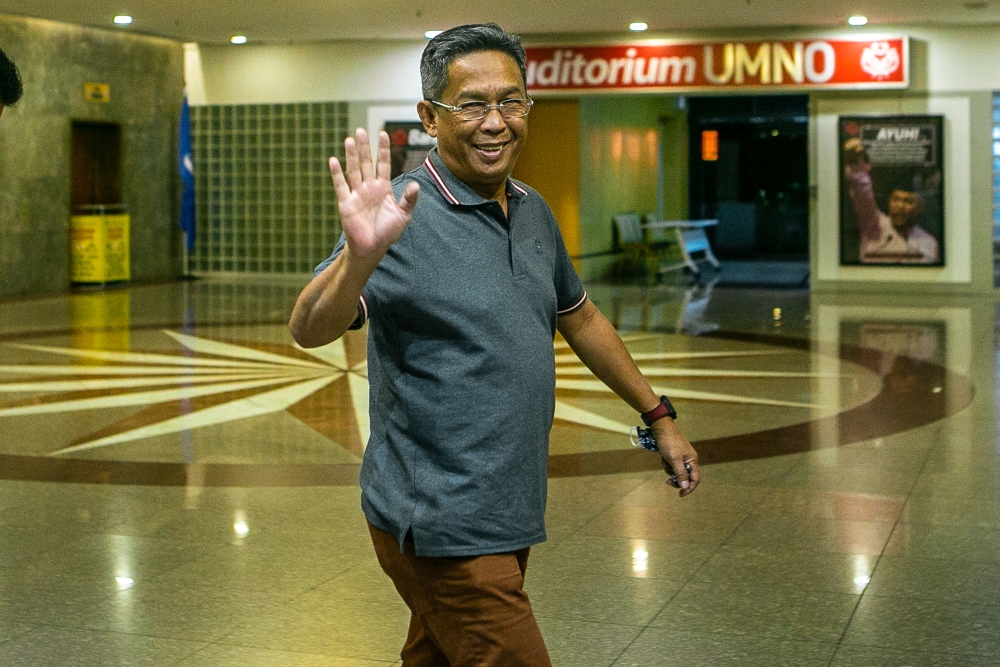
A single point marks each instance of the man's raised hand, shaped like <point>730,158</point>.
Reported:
<point>854,152</point>
<point>372,218</point>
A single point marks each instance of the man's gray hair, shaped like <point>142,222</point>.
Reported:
<point>461,41</point>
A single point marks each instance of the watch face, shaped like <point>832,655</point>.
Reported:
<point>670,407</point>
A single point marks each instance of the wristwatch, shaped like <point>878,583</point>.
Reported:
<point>664,409</point>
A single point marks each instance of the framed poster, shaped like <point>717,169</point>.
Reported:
<point>891,190</point>
<point>409,145</point>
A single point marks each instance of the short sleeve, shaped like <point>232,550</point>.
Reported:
<point>570,294</point>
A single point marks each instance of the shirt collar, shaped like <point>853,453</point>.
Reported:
<point>454,190</point>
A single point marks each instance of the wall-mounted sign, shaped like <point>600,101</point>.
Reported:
<point>891,190</point>
<point>99,93</point>
<point>714,66</point>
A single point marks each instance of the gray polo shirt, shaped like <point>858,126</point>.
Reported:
<point>462,313</point>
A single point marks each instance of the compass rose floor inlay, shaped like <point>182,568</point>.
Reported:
<point>243,405</point>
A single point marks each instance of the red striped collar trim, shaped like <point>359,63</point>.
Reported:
<point>432,170</point>
<point>446,191</point>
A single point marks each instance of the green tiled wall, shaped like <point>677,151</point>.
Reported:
<point>265,203</point>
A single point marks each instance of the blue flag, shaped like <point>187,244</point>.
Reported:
<point>186,165</point>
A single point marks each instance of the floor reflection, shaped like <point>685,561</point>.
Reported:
<point>849,514</point>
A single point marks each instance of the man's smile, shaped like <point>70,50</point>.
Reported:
<point>490,149</point>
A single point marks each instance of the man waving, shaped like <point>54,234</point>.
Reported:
<point>463,277</point>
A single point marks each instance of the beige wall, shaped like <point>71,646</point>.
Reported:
<point>954,75</point>
<point>387,71</point>
<point>962,218</point>
<point>960,58</point>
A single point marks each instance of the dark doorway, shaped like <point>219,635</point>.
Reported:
<point>95,165</point>
<point>749,168</point>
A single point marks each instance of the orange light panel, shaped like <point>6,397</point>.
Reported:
<point>710,145</point>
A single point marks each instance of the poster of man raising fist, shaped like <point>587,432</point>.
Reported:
<point>892,190</point>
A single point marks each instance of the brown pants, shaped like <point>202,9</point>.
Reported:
<point>466,612</point>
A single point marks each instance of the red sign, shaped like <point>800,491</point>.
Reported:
<point>708,66</point>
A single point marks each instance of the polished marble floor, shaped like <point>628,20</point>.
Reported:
<point>178,485</point>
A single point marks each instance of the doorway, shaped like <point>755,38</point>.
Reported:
<point>95,165</point>
<point>749,168</point>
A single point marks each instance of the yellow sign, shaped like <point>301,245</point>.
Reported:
<point>99,93</point>
<point>100,249</point>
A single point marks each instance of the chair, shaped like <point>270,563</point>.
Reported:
<point>692,240</point>
<point>638,259</point>
<point>630,234</point>
<point>696,241</point>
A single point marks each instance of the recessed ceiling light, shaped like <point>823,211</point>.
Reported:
<point>431,34</point>
<point>238,39</point>
<point>123,19</point>
<point>858,20</point>
<point>638,26</point>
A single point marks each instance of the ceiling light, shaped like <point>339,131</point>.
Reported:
<point>238,39</point>
<point>857,20</point>
<point>431,34</point>
<point>638,26</point>
<point>123,19</point>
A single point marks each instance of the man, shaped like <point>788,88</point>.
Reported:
<point>10,82</point>
<point>894,236</point>
<point>465,280</point>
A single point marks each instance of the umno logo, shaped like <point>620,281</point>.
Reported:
<point>880,60</point>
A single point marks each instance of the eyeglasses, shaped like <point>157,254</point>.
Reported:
<point>468,111</point>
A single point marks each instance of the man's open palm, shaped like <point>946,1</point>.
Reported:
<point>372,218</point>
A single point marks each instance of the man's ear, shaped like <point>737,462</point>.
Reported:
<point>427,116</point>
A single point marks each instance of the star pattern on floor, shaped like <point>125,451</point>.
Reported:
<point>266,382</point>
